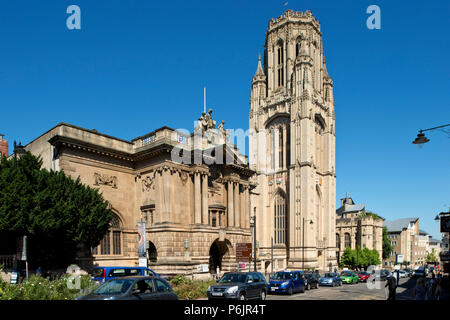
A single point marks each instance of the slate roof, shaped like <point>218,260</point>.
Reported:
<point>399,224</point>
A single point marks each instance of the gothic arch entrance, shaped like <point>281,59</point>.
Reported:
<point>217,251</point>
<point>152,252</point>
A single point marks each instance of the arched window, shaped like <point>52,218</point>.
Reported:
<point>280,219</point>
<point>280,63</point>
<point>281,147</point>
<point>111,244</point>
<point>347,241</point>
<point>338,241</point>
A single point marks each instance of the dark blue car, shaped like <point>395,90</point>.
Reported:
<point>103,274</point>
<point>287,282</point>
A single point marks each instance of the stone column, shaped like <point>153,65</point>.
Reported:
<point>247,207</point>
<point>237,205</point>
<point>230,204</point>
<point>167,194</point>
<point>197,199</point>
<point>242,215</point>
<point>204,199</point>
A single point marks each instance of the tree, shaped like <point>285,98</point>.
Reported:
<point>57,213</point>
<point>387,247</point>
<point>431,256</point>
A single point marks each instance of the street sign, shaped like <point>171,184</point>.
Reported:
<point>400,259</point>
<point>243,252</point>
<point>202,268</point>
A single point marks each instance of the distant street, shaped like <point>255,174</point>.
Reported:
<point>358,291</point>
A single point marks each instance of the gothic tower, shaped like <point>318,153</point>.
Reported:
<point>292,147</point>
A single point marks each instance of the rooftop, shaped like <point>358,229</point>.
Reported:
<point>399,224</point>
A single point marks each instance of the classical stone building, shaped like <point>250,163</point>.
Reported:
<point>357,228</point>
<point>292,147</point>
<point>192,190</point>
<point>3,146</point>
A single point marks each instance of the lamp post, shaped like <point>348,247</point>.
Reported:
<point>303,243</point>
<point>421,139</point>
<point>19,149</point>
<point>254,239</point>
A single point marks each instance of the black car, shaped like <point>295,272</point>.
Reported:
<point>239,285</point>
<point>133,288</point>
<point>312,280</point>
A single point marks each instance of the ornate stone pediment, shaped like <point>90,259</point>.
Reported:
<point>102,179</point>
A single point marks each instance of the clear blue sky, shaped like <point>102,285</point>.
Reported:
<point>138,65</point>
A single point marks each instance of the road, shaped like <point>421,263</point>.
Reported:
<point>358,291</point>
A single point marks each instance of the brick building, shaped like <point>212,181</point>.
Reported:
<point>3,146</point>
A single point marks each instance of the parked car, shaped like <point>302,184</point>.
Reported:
<point>311,280</point>
<point>408,271</point>
<point>349,277</point>
<point>133,288</point>
<point>239,285</point>
<point>103,274</point>
<point>420,272</point>
<point>286,282</point>
<point>384,274</point>
<point>363,276</point>
<point>330,279</point>
<point>402,273</point>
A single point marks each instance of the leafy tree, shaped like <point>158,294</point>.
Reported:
<point>57,213</point>
<point>387,247</point>
<point>431,256</point>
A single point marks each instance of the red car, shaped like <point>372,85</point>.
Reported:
<point>363,276</point>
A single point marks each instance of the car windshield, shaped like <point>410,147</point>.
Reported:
<point>233,277</point>
<point>346,273</point>
<point>364,273</point>
<point>282,276</point>
<point>328,275</point>
<point>113,287</point>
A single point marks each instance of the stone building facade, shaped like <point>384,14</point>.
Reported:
<point>3,146</point>
<point>357,228</point>
<point>195,209</point>
<point>401,233</point>
<point>292,147</point>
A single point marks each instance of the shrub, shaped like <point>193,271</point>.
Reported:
<point>39,288</point>
<point>188,289</point>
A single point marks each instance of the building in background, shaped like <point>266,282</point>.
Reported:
<point>401,234</point>
<point>292,147</point>
<point>3,146</point>
<point>357,227</point>
<point>195,209</point>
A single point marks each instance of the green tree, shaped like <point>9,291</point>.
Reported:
<point>387,247</point>
<point>431,256</point>
<point>57,213</point>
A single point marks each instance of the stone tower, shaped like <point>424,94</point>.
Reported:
<point>292,147</point>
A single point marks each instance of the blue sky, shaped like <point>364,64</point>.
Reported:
<point>138,65</point>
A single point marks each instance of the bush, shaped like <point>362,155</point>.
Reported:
<point>39,288</point>
<point>188,289</point>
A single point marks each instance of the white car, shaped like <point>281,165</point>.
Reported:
<point>402,274</point>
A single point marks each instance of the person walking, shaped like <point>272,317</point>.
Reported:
<point>392,286</point>
<point>431,288</point>
<point>420,290</point>
<point>443,289</point>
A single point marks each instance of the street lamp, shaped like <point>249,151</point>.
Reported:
<point>421,139</point>
<point>303,243</point>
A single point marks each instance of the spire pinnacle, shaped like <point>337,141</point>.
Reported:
<point>259,75</point>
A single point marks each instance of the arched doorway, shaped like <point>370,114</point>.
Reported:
<point>152,252</point>
<point>217,251</point>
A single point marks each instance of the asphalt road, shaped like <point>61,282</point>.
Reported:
<point>359,291</point>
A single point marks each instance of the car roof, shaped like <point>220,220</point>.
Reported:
<point>137,277</point>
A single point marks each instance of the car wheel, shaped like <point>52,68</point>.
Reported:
<point>317,285</point>
<point>263,295</point>
<point>333,284</point>
<point>290,291</point>
<point>308,287</point>
<point>241,296</point>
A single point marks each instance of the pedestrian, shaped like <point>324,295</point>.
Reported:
<point>420,290</point>
<point>442,289</point>
<point>431,288</point>
<point>335,270</point>
<point>39,271</point>
<point>392,286</point>
<point>218,273</point>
